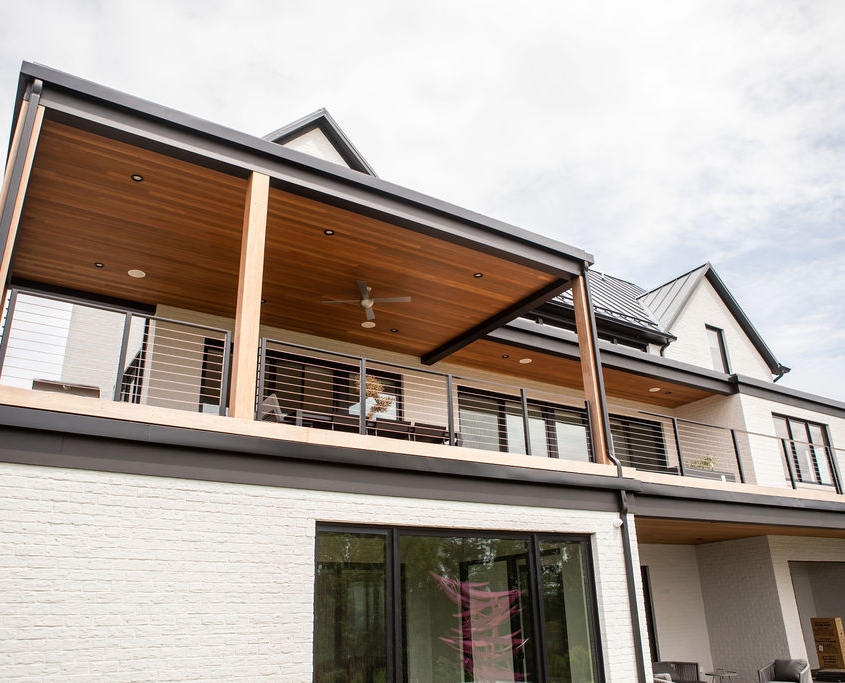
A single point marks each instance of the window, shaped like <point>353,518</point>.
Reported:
<point>718,350</point>
<point>326,386</point>
<point>495,422</point>
<point>411,605</point>
<point>806,448</point>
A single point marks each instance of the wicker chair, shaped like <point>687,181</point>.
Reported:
<point>681,672</point>
<point>782,670</point>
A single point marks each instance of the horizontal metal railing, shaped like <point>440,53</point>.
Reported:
<point>313,387</point>
<point>60,344</point>
<point>56,343</point>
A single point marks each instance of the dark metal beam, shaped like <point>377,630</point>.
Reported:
<point>495,322</point>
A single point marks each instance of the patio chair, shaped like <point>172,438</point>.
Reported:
<point>681,672</point>
<point>783,670</point>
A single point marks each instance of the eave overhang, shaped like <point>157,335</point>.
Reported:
<point>384,230</point>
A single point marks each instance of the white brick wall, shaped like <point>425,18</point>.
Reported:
<point>679,615</point>
<point>742,605</point>
<point>108,577</point>
<point>706,307</point>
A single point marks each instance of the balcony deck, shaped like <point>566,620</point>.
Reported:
<point>91,359</point>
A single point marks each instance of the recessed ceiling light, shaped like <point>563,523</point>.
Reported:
<point>368,324</point>
<point>99,265</point>
<point>328,231</point>
<point>137,177</point>
<point>264,301</point>
<point>136,273</point>
<point>394,330</point>
<point>505,355</point>
<point>654,390</point>
<point>478,274</point>
<point>525,361</point>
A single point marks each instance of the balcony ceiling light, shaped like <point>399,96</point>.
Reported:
<point>137,177</point>
<point>136,273</point>
<point>654,390</point>
<point>368,324</point>
<point>526,361</point>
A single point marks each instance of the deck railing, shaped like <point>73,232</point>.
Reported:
<point>60,344</point>
<point>57,343</point>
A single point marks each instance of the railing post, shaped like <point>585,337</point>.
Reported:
<point>678,446</point>
<point>7,328</point>
<point>786,454</point>
<point>262,360</point>
<point>450,407</point>
<point>738,459</point>
<point>834,467</point>
<point>362,396</point>
<point>525,426</point>
<point>121,361</point>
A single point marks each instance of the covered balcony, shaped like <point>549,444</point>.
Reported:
<point>57,344</point>
<point>155,259</point>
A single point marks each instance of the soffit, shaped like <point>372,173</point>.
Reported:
<point>182,226</point>
<point>485,354</point>
<point>694,532</point>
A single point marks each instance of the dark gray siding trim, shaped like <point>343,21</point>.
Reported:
<point>529,335</point>
<point>74,441</point>
<point>773,511</point>
<point>789,397</point>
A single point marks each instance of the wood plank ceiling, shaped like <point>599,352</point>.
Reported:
<point>694,532</point>
<point>181,225</point>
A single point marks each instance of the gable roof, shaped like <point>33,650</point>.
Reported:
<point>668,300</point>
<point>321,120</point>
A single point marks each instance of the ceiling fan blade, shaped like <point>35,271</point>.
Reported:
<point>392,300</point>
<point>362,287</point>
<point>344,301</point>
<point>370,313</point>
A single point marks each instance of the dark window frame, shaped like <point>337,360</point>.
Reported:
<point>343,375</point>
<point>722,347</point>
<point>395,587</point>
<point>791,450</point>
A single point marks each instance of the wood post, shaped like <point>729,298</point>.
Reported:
<point>248,316</point>
<point>590,367</point>
<point>14,192</point>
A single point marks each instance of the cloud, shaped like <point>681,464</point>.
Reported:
<point>655,134</point>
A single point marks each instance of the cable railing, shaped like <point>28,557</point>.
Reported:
<point>60,344</point>
<point>311,387</point>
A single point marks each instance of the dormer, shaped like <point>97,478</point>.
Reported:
<point>318,135</point>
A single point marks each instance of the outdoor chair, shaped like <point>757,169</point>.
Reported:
<point>786,670</point>
<point>681,672</point>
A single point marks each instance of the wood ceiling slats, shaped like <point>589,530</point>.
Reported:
<point>182,226</point>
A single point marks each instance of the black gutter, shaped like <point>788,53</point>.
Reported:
<point>628,551</point>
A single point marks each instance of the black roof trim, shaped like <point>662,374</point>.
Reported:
<point>707,271</point>
<point>225,146</point>
<point>790,397</point>
<point>328,126</point>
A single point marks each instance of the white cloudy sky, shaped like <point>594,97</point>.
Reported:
<point>656,135</point>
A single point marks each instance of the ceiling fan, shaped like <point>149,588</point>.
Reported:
<point>367,301</point>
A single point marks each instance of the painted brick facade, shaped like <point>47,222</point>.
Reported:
<point>114,578</point>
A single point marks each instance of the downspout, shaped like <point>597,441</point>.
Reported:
<point>630,573</point>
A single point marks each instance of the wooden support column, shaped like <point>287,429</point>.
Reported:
<point>248,316</point>
<point>15,181</point>
<point>590,367</point>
